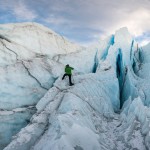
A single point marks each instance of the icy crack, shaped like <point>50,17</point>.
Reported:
<point>138,62</point>
<point>4,38</point>
<point>95,62</point>
<point>85,101</point>
<point>26,68</point>
<point>111,43</point>
<point>131,50</point>
<point>9,48</point>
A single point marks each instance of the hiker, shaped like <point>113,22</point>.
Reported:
<point>68,72</point>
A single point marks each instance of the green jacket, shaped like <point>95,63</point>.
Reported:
<point>68,70</point>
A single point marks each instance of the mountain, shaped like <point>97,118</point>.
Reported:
<point>107,108</point>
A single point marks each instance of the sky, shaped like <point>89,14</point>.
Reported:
<point>82,21</point>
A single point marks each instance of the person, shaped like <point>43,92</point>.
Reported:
<point>68,72</point>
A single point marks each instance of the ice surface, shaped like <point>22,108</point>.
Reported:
<point>107,108</point>
<point>76,106</point>
<point>12,121</point>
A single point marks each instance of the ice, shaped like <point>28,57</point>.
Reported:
<point>18,88</point>
<point>46,41</point>
<point>49,96</point>
<point>82,61</point>
<point>12,121</point>
<point>108,106</point>
<point>75,109</point>
<point>136,112</point>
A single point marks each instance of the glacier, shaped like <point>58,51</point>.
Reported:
<point>106,109</point>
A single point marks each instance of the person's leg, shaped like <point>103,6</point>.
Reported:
<point>70,82</point>
<point>64,76</point>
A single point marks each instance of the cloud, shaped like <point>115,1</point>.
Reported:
<point>103,16</point>
<point>137,22</point>
<point>143,39</point>
<point>85,20</point>
<point>19,10</point>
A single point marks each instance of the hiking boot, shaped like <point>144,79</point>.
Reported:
<point>71,84</point>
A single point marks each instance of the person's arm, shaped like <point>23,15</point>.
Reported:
<point>71,68</point>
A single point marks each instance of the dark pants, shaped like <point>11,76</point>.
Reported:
<point>69,75</point>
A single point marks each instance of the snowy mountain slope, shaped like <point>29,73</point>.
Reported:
<point>87,116</point>
<point>29,69</point>
<point>37,39</point>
